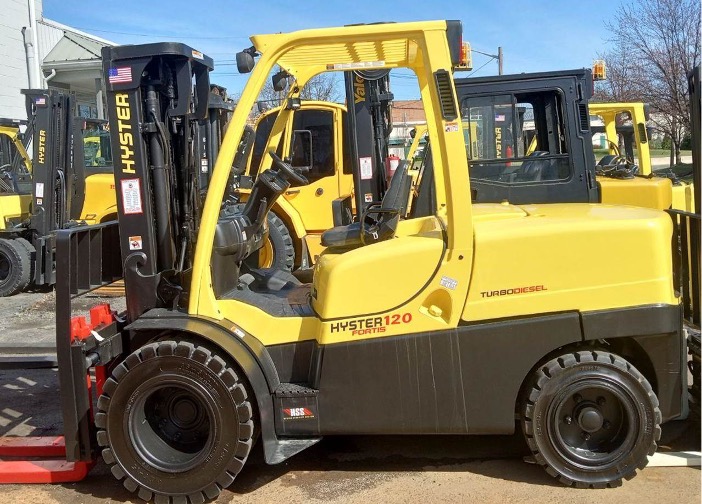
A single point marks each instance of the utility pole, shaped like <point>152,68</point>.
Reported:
<point>497,56</point>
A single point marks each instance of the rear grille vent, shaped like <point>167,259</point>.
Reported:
<point>449,111</point>
<point>584,117</point>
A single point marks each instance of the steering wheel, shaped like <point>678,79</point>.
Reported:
<point>290,173</point>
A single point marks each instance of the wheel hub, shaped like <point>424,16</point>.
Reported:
<point>590,419</point>
<point>184,412</point>
<point>171,428</point>
<point>594,424</point>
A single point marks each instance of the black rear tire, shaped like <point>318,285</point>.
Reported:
<point>591,418</point>
<point>15,267</point>
<point>175,422</point>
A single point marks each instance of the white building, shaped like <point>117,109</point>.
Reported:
<point>39,53</point>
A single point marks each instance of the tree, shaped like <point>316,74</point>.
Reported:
<point>656,44</point>
<point>323,87</point>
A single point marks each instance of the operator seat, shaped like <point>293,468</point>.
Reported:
<point>369,229</point>
<point>536,170</point>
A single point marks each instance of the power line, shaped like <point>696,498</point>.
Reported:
<point>481,67</point>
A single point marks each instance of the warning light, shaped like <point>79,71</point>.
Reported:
<point>466,58</point>
<point>599,70</point>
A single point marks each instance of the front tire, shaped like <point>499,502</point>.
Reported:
<point>175,422</point>
<point>591,418</point>
<point>15,267</point>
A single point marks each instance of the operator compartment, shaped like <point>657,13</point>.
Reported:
<point>239,234</point>
<point>551,258</point>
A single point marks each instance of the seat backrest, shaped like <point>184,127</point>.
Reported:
<point>396,196</point>
<point>532,169</point>
<point>424,203</point>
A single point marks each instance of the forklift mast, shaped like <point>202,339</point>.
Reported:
<point>53,176</point>
<point>369,123</point>
<point>212,129</point>
<point>156,95</point>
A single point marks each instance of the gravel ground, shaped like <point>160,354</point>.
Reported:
<point>360,469</point>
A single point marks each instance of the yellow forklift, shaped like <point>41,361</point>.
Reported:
<point>15,171</point>
<point>404,321</point>
<point>637,157</point>
<point>69,182</point>
<point>325,140</point>
<point>298,219</point>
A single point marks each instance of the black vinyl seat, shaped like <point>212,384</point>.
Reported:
<point>379,221</point>
<point>536,170</point>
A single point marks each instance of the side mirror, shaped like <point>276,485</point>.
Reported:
<point>245,60</point>
<point>280,81</point>
<point>413,133</point>
<point>262,107</point>
<point>302,155</point>
<point>243,151</point>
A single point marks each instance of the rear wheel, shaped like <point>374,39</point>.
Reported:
<point>591,419</point>
<point>175,422</point>
<point>15,267</point>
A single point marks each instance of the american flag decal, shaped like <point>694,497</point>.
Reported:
<point>119,75</point>
<point>40,101</point>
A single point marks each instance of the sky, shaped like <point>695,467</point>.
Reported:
<point>534,35</point>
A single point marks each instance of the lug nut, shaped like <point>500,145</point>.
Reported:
<point>568,420</point>
<point>586,436</point>
<point>606,424</point>
<point>601,401</point>
<point>577,398</point>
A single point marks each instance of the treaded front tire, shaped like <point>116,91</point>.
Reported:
<point>15,267</point>
<point>175,422</point>
<point>591,419</point>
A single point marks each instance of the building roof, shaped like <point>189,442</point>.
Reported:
<point>74,47</point>
<point>60,26</point>
<point>408,111</point>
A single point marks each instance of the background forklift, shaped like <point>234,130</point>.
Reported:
<point>15,173</point>
<point>636,155</point>
<point>70,182</point>
<point>328,142</point>
<point>535,144</point>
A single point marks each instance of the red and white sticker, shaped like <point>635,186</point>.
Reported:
<point>297,413</point>
<point>451,127</point>
<point>131,196</point>
<point>135,243</point>
<point>368,198</point>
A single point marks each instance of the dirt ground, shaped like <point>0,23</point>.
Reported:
<point>368,469</point>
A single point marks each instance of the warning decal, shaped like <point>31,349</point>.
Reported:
<point>366,168</point>
<point>135,242</point>
<point>131,196</point>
